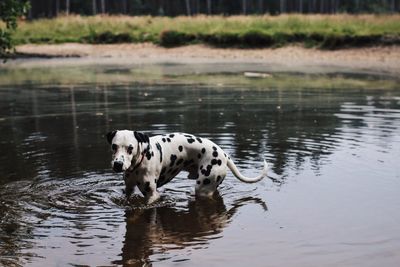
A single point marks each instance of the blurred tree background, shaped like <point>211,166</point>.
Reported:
<point>10,11</point>
<point>52,8</point>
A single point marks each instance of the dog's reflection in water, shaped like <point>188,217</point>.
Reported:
<point>157,230</point>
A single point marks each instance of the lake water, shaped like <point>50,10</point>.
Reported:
<point>332,140</point>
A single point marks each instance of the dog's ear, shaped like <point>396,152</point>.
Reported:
<point>142,138</point>
<point>110,136</point>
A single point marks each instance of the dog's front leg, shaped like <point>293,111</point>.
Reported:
<point>129,185</point>
<point>152,197</point>
<point>149,191</point>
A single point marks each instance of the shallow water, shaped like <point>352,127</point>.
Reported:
<point>332,198</point>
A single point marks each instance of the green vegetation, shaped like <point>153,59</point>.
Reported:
<point>10,10</point>
<point>323,31</point>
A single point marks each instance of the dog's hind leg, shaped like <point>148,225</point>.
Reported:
<point>209,179</point>
<point>205,186</point>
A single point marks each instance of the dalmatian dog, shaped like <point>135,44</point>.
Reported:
<point>151,162</point>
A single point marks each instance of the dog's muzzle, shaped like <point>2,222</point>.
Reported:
<point>117,166</point>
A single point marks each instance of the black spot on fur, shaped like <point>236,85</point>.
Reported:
<point>225,155</point>
<point>214,148</point>
<point>208,171</point>
<point>161,181</point>
<point>215,154</point>
<point>148,155</point>
<point>147,187</point>
<point>198,182</point>
<point>180,148</point>
<point>159,149</point>
<point>214,162</point>
<point>110,136</point>
<point>141,137</point>
<point>219,162</point>
<point>199,140</point>
<point>162,171</point>
<point>169,140</point>
<point>173,158</point>
<point>171,135</point>
<point>206,181</point>
<point>179,162</point>
<point>199,156</point>
<point>203,150</point>
<point>164,140</point>
<point>188,162</point>
<point>190,140</point>
<point>218,178</point>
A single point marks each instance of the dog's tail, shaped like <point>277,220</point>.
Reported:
<point>245,179</point>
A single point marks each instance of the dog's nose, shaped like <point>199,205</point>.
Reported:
<point>118,166</point>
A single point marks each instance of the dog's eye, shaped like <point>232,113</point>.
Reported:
<point>130,149</point>
<point>114,147</point>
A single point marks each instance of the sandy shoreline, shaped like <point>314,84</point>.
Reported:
<point>377,59</point>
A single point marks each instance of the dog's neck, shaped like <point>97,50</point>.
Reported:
<point>139,157</point>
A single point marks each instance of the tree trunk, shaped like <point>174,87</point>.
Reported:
<point>357,8</point>
<point>30,10</point>
<point>282,6</point>
<point>260,7</point>
<point>67,6</point>
<point>94,7</point>
<point>124,7</point>
<point>188,10</point>
<point>209,7</point>
<point>103,6</point>
<point>57,7</point>
<point>244,6</point>
<point>197,7</point>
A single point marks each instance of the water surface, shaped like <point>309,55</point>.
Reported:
<point>332,141</point>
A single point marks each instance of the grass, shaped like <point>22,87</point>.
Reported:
<point>323,31</point>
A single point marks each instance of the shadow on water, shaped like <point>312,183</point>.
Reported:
<point>60,203</point>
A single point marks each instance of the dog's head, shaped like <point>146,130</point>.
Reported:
<point>126,147</point>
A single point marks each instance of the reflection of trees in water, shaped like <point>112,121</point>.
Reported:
<point>288,126</point>
<point>156,231</point>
